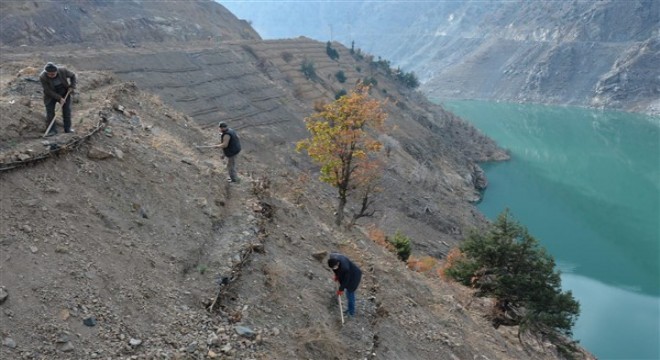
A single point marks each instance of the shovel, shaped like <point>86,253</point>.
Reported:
<point>53,121</point>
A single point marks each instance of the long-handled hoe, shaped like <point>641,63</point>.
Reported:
<point>53,121</point>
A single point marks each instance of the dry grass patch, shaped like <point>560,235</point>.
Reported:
<point>319,343</point>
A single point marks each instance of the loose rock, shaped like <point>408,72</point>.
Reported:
<point>244,331</point>
<point>90,321</point>
<point>134,342</point>
<point>9,342</point>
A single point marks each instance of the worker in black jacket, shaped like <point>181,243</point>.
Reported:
<point>231,146</point>
<point>58,85</point>
<point>348,275</point>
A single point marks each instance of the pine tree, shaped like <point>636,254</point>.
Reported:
<point>508,264</point>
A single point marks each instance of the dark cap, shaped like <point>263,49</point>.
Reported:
<point>50,67</point>
<point>222,125</point>
<point>332,262</point>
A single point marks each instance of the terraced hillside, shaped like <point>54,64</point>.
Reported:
<point>124,240</point>
<point>252,86</point>
<point>585,53</point>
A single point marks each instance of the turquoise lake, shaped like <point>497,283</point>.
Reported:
<point>586,184</point>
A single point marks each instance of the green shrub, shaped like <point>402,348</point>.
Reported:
<point>382,64</point>
<point>402,245</point>
<point>408,79</point>
<point>341,77</point>
<point>507,263</point>
<point>332,53</point>
<point>307,68</point>
<point>357,55</point>
<point>370,81</point>
<point>340,93</point>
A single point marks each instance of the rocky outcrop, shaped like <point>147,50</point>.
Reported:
<point>633,78</point>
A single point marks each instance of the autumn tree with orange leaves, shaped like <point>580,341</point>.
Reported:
<point>345,150</point>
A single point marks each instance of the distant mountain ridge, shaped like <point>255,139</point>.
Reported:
<point>106,22</point>
<point>586,53</point>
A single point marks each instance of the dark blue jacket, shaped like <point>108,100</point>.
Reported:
<point>348,273</point>
<point>234,146</point>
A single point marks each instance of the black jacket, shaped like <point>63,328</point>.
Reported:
<point>67,77</point>
<point>348,273</point>
<point>234,146</point>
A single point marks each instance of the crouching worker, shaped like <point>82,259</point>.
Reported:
<point>57,83</point>
<point>348,275</point>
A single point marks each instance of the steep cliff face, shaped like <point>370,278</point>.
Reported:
<point>562,52</point>
<point>98,23</point>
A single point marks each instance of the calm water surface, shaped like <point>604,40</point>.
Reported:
<point>586,184</point>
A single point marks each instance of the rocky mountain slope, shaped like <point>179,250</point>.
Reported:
<point>587,53</point>
<point>124,241</point>
<point>132,23</point>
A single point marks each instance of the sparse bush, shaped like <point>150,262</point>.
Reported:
<point>389,143</point>
<point>422,264</point>
<point>319,105</point>
<point>248,49</point>
<point>263,64</point>
<point>308,69</point>
<point>378,236</point>
<point>370,81</point>
<point>341,77</point>
<point>402,245</point>
<point>340,93</point>
<point>286,56</point>
<point>357,55</point>
<point>201,268</point>
<point>382,64</point>
<point>358,68</point>
<point>332,53</point>
<point>452,258</point>
<point>298,92</point>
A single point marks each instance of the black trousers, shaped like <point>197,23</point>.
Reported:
<point>66,112</point>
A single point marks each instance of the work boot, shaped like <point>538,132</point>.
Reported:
<point>52,132</point>
<point>69,131</point>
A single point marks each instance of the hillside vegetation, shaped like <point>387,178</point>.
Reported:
<point>123,240</point>
<point>603,54</point>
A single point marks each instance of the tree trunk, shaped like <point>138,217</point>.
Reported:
<point>339,218</point>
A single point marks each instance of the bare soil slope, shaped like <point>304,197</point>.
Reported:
<point>127,226</point>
